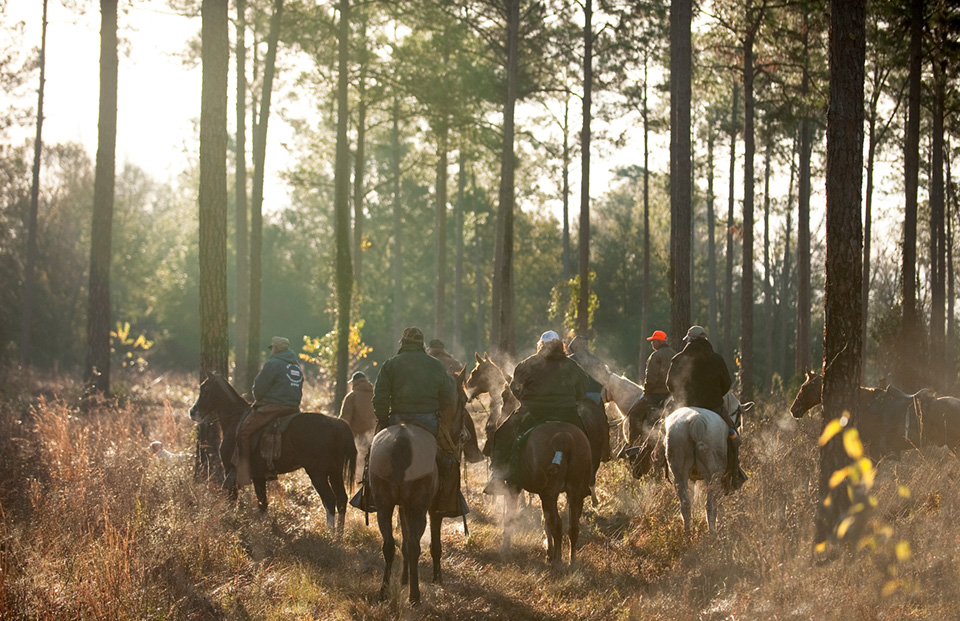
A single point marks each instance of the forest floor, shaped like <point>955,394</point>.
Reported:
<point>92,527</point>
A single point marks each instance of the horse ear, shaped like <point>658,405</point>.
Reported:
<point>747,406</point>
<point>479,359</point>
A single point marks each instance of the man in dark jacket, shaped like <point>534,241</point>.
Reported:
<point>412,386</point>
<point>277,391</point>
<point>594,367</point>
<point>699,377</point>
<point>548,385</point>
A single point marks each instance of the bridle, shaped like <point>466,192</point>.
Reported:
<point>217,414</point>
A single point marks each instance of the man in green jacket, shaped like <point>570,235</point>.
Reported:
<point>549,385</point>
<point>412,386</point>
<point>277,391</point>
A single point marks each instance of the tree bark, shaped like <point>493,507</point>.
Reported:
<point>502,330</point>
<point>728,280</point>
<point>842,309</point>
<point>583,301</point>
<point>457,347</point>
<point>803,214</point>
<point>749,150</point>
<point>938,239</point>
<point>681,17</point>
<point>344,277</point>
<point>910,376</point>
<point>254,347</point>
<point>567,254</point>
<point>360,159</point>
<point>712,328</point>
<point>97,367</point>
<point>241,330</point>
<point>441,273</point>
<point>214,334</point>
<point>397,225</point>
<point>768,318</point>
<point>26,347</point>
<point>645,291</point>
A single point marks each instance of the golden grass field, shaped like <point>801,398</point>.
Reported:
<point>91,527</point>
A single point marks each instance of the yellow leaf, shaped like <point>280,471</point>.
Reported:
<point>820,547</point>
<point>857,508</point>
<point>903,551</point>
<point>890,588</point>
<point>833,428</point>
<point>837,477</point>
<point>827,501</point>
<point>844,526</point>
<point>852,444</point>
<point>904,491</point>
<point>869,472</point>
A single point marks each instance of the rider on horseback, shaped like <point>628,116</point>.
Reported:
<point>698,377</point>
<point>277,391</point>
<point>412,387</point>
<point>548,385</point>
<point>655,391</point>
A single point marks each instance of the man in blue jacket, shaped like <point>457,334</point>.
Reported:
<point>277,391</point>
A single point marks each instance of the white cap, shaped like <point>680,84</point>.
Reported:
<point>548,336</point>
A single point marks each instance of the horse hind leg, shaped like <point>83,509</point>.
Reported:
<point>412,524</point>
<point>260,487</point>
<point>327,497</point>
<point>340,497</point>
<point>680,483</point>
<point>553,526</point>
<point>575,510</point>
<point>435,545</point>
<point>385,524</point>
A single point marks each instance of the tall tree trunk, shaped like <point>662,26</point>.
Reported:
<point>441,290</point>
<point>344,277</point>
<point>97,367</point>
<point>712,328</point>
<point>214,332</point>
<point>26,348</point>
<point>728,280</point>
<point>359,162</point>
<point>457,347</point>
<point>842,309</point>
<point>910,374</point>
<point>749,150</point>
<point>645,292</point>
<point>241,331</point>
<point>949,206</point>
<point>803,213</point>
<point>681,62</point>
<point>583,302</point>
<point>768,319</point>
<point>478,270</point>
<point>938,239</point>
<point>502,330</point>
<point>397,225</point>
<point>783,308</point>
<point>254,346</point>
<point>868,222</point>
<point>567,253</point>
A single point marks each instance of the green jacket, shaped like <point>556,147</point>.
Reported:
<point>412,382</point>
<point>280,381</point>
<point>548,379</point>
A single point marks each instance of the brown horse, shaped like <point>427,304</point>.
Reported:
<point>487,377</point>
<point>889,421</point>
<point>403,473</point>
<point>554,460</point>
<point>321,445</point>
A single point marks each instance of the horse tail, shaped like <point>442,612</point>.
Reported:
<point>562,446</point>
<point>350,460</point>
<point>698,437</point>
<point>401,456</point>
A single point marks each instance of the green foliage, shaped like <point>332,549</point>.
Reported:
<point>320,352</point>
<point>564,300</point>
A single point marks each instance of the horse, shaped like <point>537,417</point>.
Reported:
<point>487,377</point>
<point>890,420</point>
<point>403,473</point>
<point>554,459</point>
<point>321,445</point>
<point>696,449</point>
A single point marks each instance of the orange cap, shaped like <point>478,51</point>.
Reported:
<point>658,335</point>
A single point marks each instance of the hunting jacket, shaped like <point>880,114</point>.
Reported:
<point>412,382</point>
<point>698,376</point>
<point>655,377</point>
<point>452,365</point>
<point>549,379</point>
<point>280,381</point>
<point>357,408</point>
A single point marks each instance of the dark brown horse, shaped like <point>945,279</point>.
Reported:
<point>487,377</point>
<point>555,459</point>
<point>321,445</point>
<point>889,420</point>
<point>404,473</point>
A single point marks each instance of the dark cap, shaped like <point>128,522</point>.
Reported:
<point>695,332</point>
<point>357,375</point>
<point>412,335</point>
<point>436,344</point>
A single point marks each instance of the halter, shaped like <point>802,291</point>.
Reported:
<point>216,414</point>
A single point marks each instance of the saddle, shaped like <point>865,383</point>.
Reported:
<point>269,440</point>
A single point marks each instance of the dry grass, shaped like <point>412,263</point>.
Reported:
<point>91,527</point>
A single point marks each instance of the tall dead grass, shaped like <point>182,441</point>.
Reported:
<point>91,527</point>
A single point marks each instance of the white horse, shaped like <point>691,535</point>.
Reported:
<point>696,447</point>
